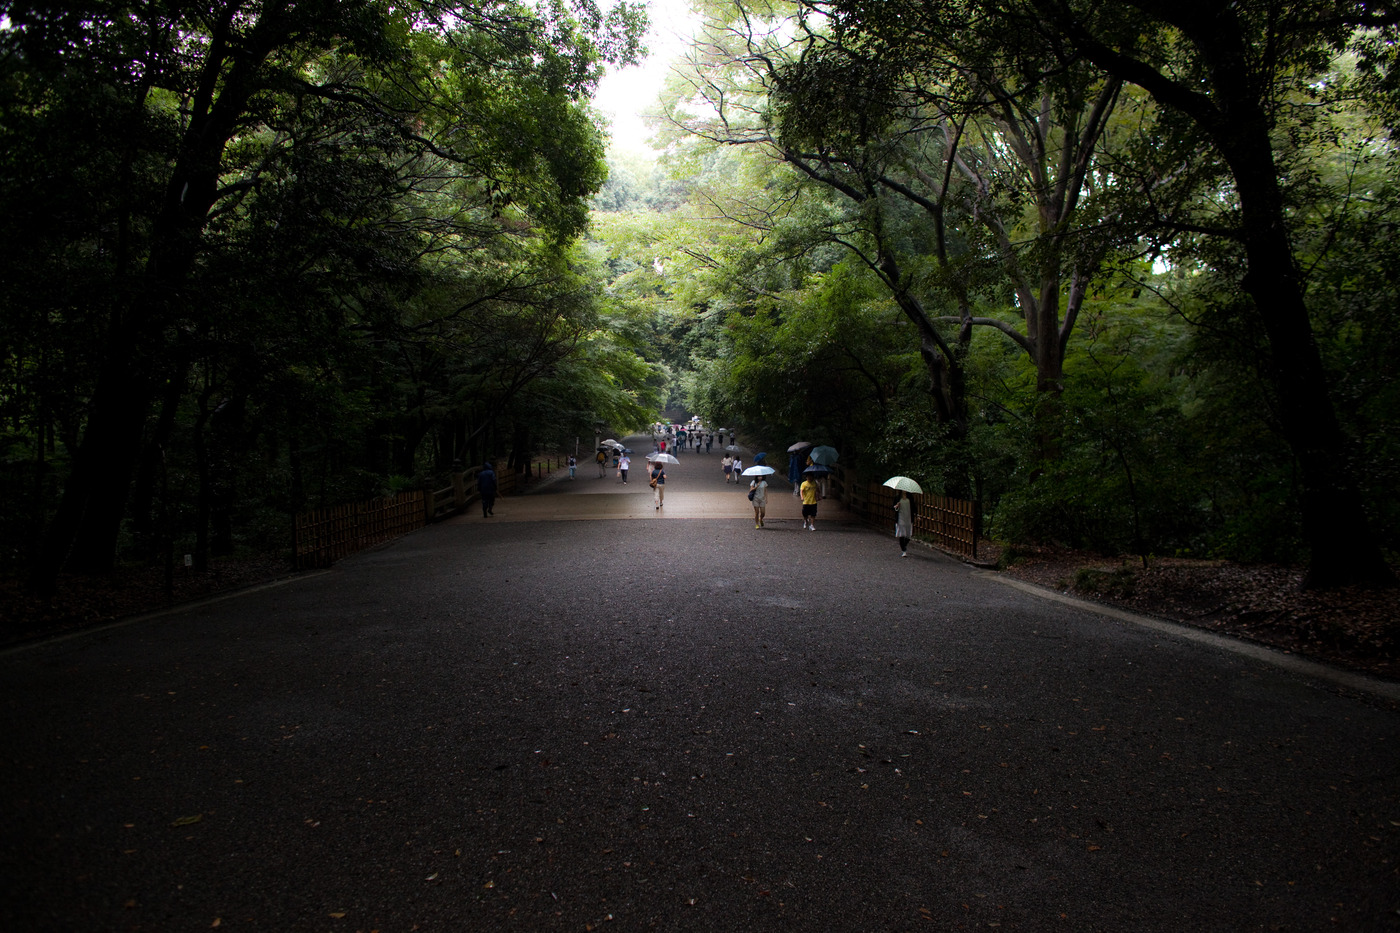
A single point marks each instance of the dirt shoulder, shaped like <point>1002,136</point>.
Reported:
<point>1354,628</point>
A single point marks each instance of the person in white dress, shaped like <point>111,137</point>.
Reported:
<point>903,523</point>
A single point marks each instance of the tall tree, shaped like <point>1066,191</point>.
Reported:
<point>209,81</point>
<point>1232,70</point>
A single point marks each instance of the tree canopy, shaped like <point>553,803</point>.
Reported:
<point>328,232</point>
<point>1122,273</point>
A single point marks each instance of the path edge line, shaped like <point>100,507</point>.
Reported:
<point>1351,680</point>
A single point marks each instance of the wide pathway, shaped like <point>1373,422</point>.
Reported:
<point>643,723</point>
<point>695,488</point>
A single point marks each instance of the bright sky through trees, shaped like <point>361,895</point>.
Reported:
<point>626,93</point>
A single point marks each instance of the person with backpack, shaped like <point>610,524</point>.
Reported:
<point>658,482</point>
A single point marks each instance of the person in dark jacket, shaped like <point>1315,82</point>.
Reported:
<point>486,485</point>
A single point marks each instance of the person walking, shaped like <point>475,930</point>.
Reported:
<point>573,465</point>
<point>758,495</point>
<point>623,466</point>
<point>728,464</point>
<point>903,523</point>
<point>809,503</point>
<point>602,460</point>
<point>486,486</point>
<point>737,469</point>
<point>658,482</point>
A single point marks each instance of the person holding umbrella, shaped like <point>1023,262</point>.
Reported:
<point>658,482</point>
<point>795,465</point>
<point>903,523</point>
<point>758,492</point>
<point>903,517</point>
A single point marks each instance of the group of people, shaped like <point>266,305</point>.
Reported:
<point>809,492</point>
<point>668,439</point>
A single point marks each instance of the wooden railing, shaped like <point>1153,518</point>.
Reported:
<point>951,524</point>
<point>323,536</point>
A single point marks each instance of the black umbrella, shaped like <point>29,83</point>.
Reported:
<point>818,469</point>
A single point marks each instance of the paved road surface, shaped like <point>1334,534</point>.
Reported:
<point>679,722</point>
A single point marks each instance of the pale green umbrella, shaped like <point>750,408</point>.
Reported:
<point>904,483</point>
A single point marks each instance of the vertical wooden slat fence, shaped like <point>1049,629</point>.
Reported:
<point>949,523</point>
<point>323,536</point>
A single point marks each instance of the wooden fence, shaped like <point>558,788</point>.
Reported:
<point>951,524</point>
<point>323,536</point>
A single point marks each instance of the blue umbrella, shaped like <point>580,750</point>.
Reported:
<point>758,457</point>
<point>823,454</point>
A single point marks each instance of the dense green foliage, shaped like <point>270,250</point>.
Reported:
<point>265,256</point>
<point>1000,248</point>
<point>1121,272</point>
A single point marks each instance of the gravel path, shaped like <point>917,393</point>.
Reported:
<point>680,723</point>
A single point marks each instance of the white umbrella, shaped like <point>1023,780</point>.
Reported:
<point>798,446</point>
<point>662,458</point>
<point>610,443</point>
<point>758,471</point>
<point>904,483</point>
<point>732,447</point>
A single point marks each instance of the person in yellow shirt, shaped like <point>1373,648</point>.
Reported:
<point>809,503</point>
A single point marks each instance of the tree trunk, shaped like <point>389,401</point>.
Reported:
<point>1341,548</point>
<point>95,495</point>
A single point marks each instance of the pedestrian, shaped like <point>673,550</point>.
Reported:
<point>728,464</point>
<point>758,495</point>
<point>658,482</point>
<point>709,439</point>
<point>623,466</point>
<point>573,465</point>
<point>602,459</point>
<point>809,503</point>
<point>486,487</point>
<point>738,468</point>
<point>616,455</point>
<point>903,523</point>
